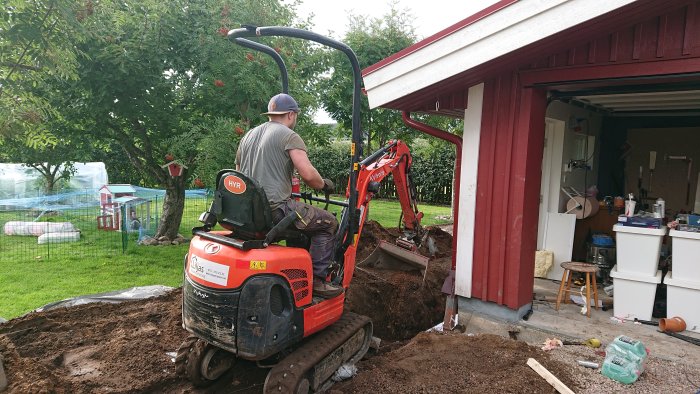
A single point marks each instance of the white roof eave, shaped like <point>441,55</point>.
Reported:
<point>504,31</point>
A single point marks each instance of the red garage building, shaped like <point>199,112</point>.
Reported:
<point>590,86</point>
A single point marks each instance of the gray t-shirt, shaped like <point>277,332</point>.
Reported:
<point>263,154</point>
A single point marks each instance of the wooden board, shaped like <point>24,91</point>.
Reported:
<point>548,376</point>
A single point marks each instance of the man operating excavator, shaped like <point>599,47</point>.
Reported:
<point>269,153</point>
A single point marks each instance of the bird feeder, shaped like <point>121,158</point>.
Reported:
<point>175,168</point>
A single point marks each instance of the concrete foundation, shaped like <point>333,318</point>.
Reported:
<point>489,309</point>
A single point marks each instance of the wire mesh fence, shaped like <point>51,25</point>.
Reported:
<point>78,224</point>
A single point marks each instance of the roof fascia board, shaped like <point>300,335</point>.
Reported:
<point>511,28</point>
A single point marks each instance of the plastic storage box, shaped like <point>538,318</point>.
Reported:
<point>638,250</point>
<point>682,299</point>
<point>633,295</point>
<point>686,255</point>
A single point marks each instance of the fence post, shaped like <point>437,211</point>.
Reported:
<point>123,228</point>
<point>48,243</point>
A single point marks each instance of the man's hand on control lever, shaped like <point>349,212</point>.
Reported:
<point>328,185</point>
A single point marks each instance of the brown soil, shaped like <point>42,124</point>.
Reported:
<point>400,304</point>
<point>456,363</point>
<point>123,348</point>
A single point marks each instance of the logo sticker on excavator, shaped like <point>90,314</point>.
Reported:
<point>234,184</point>
<point>208,270</point>
<point>212,248</point>
<point>258,265</point>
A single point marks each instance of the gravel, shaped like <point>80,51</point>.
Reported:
<point>659,375</point>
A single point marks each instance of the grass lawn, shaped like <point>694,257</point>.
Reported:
<point>28,281</point>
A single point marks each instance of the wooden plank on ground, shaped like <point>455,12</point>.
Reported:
<point>548,376</point>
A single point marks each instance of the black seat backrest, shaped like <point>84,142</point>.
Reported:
<point>242,204</point>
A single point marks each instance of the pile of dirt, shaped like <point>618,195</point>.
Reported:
<point>128,347</point>
<point>94,347</point>
<point>456,363</point>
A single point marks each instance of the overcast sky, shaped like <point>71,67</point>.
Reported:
<point>430,16</point>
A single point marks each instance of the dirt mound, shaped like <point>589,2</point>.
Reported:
<point>94,348</point>
<point>454,363</point>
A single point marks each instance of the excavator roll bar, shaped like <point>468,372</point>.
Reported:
<point>350,220</point>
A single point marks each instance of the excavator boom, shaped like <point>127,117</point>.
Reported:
<point>395,159</point>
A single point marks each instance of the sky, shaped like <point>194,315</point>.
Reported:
<point>430,16</point>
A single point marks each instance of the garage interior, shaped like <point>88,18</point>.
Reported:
<point>609,143</point>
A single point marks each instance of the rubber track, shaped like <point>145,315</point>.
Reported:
<point>285,376</point>
<point>182,353</point>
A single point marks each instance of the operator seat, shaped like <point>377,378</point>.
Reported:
<point>241,206</point>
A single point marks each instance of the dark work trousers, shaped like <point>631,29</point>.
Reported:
<point>316,223</point>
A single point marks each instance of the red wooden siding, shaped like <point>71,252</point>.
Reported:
<point>508,183</point>
<point>675,35</point>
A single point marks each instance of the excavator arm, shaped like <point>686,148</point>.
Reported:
<point>395,159</point>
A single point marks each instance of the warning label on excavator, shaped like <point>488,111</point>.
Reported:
<point>208,270</point>
<point>258,265</point>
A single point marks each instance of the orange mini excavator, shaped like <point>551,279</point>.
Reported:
<point>246,296</point>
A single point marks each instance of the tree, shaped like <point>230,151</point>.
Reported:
<point>159,80</point>
<point>37,45</point>
<point>372,39</point>
<point>65,143</point>
<point>50,161</point>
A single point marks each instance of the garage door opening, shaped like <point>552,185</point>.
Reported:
<point>605,144</point>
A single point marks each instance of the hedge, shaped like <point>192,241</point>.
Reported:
<point>433,166</point>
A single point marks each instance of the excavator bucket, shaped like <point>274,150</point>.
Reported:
<point>393,257</point>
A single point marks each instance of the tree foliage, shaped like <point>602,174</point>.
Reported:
<point>37,46</point>
<point>137,83</point>
<point>372,39</point>
<point>159,80</point>
<point>432,170</point>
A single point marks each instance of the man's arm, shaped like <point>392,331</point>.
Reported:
<point>306,170</point>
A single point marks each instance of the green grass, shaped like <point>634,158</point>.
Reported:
<point>96,264</point>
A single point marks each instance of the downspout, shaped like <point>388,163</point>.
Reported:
<point>449,286</point>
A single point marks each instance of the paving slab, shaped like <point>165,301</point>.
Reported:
<point>569,324</point>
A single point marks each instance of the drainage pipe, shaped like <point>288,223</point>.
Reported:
<point>450,320</point>
<point>457,140</point>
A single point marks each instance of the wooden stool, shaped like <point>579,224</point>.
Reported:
<point>569,268</point>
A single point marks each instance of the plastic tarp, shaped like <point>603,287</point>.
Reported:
<point>111,297</point>
<point>54,238</point>
<point>18,180</point>
<point>37,229</point>
<point>79,199</point>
